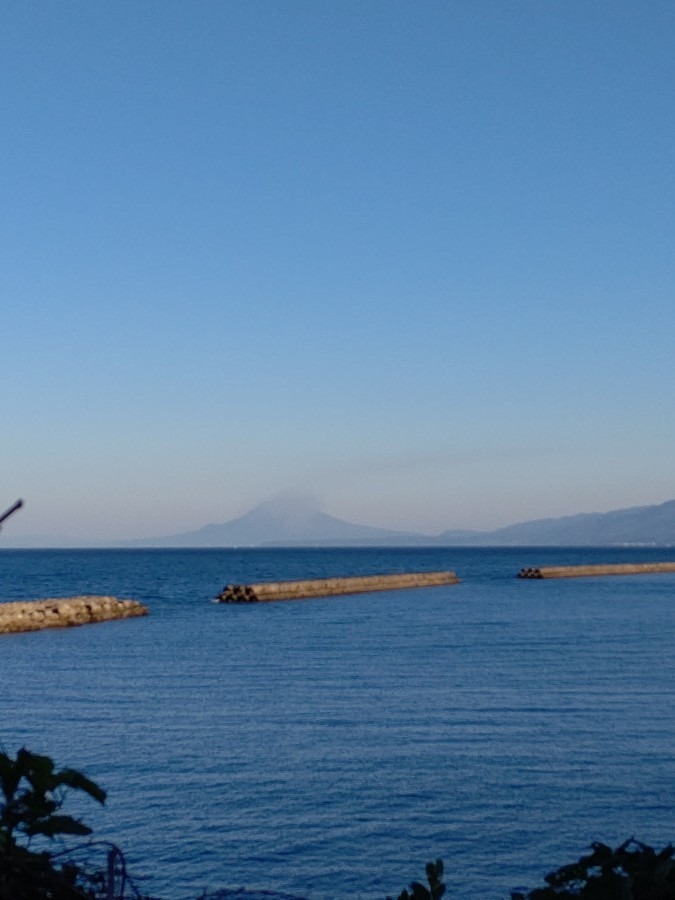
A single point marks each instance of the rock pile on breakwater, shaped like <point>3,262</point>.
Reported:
<point>64,612</point>
<point>326,587</point>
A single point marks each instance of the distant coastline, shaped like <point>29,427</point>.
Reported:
<point>295,523</point>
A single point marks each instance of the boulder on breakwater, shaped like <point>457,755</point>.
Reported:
<point>326,587</point>
<point>64,612</point>
<point>595,570</point>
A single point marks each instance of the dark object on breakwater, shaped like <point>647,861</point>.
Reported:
<point>586,571</point>
<point>326,587</point>
<point>64,612</point>
<point>8,512</point>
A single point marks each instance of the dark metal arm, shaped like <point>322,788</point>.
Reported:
<point>8,512</point>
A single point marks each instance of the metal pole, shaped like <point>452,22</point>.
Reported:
<point>8,512</point>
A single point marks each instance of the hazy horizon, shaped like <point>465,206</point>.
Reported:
<point>413,259</point>
<point>287,505</point>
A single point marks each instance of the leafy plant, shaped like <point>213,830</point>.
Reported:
<point>436,887</point>
<point>32,794</point>
<point>634,871</point>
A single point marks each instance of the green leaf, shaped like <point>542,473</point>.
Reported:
<point>10,776</point>
<point>78,781</point>
<point>37,770</point>
<point>59,825</point>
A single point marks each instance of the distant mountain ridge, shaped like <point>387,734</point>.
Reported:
<point>634,526</point>
<point>297,522</point>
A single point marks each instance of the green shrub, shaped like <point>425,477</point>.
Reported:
<point>32,796</point>
<point>634,871</point>
<point>436,887</point>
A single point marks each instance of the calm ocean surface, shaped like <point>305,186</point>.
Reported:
<point>330,747</point>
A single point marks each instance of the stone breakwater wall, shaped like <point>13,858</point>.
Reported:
<point>326,587</point>
<point>586,571</point>
<point>64,612</point>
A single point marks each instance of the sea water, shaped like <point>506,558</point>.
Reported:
<point>328,748</point>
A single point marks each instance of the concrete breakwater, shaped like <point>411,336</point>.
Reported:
<point>588,571</point>
<point>64,612</point>
<point>326,587</point>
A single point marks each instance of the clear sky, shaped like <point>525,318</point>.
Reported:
<point>416,258</point>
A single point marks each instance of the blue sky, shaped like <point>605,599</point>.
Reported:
<point>415,258</point>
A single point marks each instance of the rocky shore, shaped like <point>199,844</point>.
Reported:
<point>64,612</point>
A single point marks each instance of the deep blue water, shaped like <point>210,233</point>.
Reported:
<point>330,747</point>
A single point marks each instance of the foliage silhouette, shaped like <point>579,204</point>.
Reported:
<point>436,887</point>
<point>32,795</point>
<point>634,871</point>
